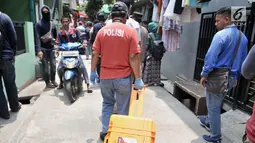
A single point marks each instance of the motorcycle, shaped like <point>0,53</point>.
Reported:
<point>72,77</point>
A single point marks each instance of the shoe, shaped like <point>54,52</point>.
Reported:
<point>60,86</point>
<point>210,140</point>
<point>50,85</point>
<point>90,91</point>
<point>161,84</point>
<point>102,136</point>
<point>17,109</point>
<point>202,123</point>
<point>55,83</point>
<point>6,117</point>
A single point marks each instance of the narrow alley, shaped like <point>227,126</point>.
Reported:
<point>53,119</point>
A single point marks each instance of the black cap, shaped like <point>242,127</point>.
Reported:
<point>101,16</point>
<point>119,9</point>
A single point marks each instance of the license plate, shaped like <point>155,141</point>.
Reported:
<point>70,53</point>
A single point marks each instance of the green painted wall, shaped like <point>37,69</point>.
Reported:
<point>25,63</point>
<point>18,10</point>
<point>49,3</point>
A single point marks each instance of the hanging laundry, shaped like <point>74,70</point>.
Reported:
<point>165,3</point>
<point>155,16</point>
<point>201,1</point>
<point>155,2</point>
<point>188,14</point>
<point>178,8</point>
<point>171,39</point>
<point>159,9</point>
<point>170,24</point>
<point>195,3</point>
<point>171,34</point>
<point>161,16</point>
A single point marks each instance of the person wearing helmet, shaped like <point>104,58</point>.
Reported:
<point>118,46</point>
<point>82,30</point>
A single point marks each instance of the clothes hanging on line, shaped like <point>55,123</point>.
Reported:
<point>165,3</point>
<point>188,15</point>
<point>195,3</point>
<point>161,16</point>
<point>171,34</point>
<point>178,8</point>
<point>171,39</point>
<point>155,16</point>
<point>201,1</point>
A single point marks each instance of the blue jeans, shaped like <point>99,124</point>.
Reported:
<point>121,88</point>
<point>7,72</point>
<point>49,65</point>
<point>214,102</point>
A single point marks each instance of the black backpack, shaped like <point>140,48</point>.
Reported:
<point>96,28</point>
<point>1,37</point>
<point>157,48</point>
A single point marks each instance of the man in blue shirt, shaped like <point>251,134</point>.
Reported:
<point>219,56</point>
<point>8,47</point>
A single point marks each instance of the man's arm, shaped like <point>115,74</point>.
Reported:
<point>11,33</point>
<point>37,38</point>
<point>94,60</point>
<point>248,67</point>
<point>96,52</point>
<point>134,61</point>
<point>212,55</point>
<point>54,30</point>
<point>134,55</point>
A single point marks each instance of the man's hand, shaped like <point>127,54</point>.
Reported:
<point>40,54</point>
<point>202,81</point>
<point>139,83</point>
<point>93,76</point>
<point>235,84</point>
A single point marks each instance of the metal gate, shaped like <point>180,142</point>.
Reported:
<point>243,95</point>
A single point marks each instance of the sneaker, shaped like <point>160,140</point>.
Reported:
<point>90,91</point>
<point>17,109</point>
<point>50,85</point>
<point>202,123</point>
<point>210,140</point>
<point>60,86</point>
<point>6,117</point>
<point>55,83</point>
<point>102,136</point>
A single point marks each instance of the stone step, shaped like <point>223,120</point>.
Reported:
<point>233,125</point>
<point>33,90</point>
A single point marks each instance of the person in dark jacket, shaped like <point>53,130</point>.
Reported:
<point>45,49</point>
<point>248,71</point>
<point>7,68</point>
<point>101,18</point>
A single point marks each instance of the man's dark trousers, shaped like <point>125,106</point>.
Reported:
<point>49,66</point>
<point>7,73</point>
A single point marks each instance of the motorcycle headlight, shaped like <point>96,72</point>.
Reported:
<point>70,63</point>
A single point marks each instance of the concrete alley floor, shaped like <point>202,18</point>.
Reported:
<point>52,119</point>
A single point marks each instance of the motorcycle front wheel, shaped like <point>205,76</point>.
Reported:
<point>70,90</point>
